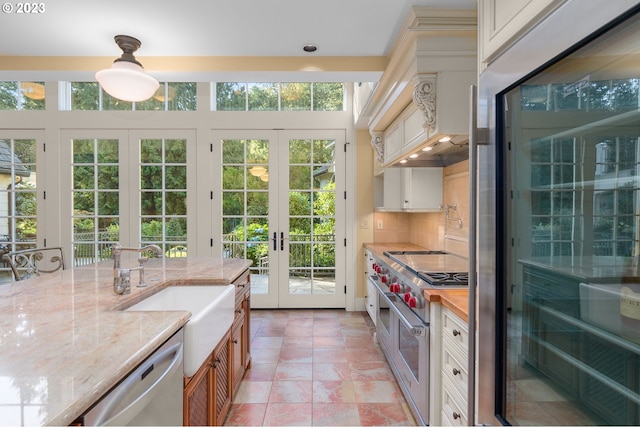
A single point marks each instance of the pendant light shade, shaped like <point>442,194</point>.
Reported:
<point>126,79</point>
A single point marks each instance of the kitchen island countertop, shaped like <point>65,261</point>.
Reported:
<point>66,340</point>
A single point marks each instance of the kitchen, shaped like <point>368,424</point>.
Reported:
<point>450,227</point>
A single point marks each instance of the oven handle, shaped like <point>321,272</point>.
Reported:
<point>416,329</point>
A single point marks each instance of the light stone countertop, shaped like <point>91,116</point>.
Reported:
<point>65,341</point>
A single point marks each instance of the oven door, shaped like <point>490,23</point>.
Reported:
<point>383,318</point>
<point>411,359</point>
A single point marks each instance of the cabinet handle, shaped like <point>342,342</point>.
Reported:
<point>216,363</point>
<point>235,341</point>
<point>456,332</point>
<point>238,311</point>
<point>456,415</point>
<point>456,371</point>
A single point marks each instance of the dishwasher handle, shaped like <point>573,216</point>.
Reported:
<point>113,401</point>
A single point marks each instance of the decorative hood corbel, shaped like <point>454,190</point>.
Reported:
<point>424,96</point>
<point>377,142</point>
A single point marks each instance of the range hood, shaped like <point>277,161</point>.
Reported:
<point>423,95</point>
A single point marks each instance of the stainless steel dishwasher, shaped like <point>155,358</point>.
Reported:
<point>150,395</point>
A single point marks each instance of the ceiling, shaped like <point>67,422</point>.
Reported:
<point>71,39</point>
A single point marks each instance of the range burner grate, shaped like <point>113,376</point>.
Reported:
<point>444,279</point>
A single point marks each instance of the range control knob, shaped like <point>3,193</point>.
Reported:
<point>383,278</point>
<point>407,296</point>
<point>396,287</point>
<point>414,302</point>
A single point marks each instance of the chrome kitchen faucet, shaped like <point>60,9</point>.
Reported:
<point>122,276</point>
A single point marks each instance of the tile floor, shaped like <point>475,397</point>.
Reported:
<point>317,368</point>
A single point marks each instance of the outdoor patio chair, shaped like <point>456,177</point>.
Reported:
<point>31,262</point>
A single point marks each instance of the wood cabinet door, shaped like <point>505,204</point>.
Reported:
<point>237,353</point>
<point>246,333</point>
<point>197,394</point>
<point>221,384</point>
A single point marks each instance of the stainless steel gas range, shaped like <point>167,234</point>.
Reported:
<point>402,315</point>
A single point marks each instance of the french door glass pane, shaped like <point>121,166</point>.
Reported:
<point>95,199</point>
<point>311,217</point>
<point>163,195</point>
<point>245,206</point>
<point>18,227</point>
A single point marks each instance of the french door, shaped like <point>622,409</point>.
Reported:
<point>282,206</point>
<point>127,186</point>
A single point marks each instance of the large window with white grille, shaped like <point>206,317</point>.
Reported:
<point>274,96</point>
<point>22,95</point>
<point>174,96</point>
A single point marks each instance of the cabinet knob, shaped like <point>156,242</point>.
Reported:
<point>456,415</point>
<point>235,341</point>
<point>216,363</point>
<point>456,371</point>
<point>456,332</point>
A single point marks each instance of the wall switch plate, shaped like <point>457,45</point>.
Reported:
<point>379,224</point>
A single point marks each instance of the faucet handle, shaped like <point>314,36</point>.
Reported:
<point>125,280</point>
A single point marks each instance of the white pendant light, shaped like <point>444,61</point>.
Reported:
<point>126,79</point>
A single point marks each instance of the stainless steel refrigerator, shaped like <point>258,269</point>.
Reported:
<point>559,222</point>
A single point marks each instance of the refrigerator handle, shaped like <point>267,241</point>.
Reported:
<point>473,240</point>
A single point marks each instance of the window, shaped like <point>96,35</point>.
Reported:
<point>584,94</point>
<point>615,197</point>
<point>169,97</point>
<point>232,96</point>
<point>553,212</point>
<point>22,95</point>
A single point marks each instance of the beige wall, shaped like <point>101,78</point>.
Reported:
<point>364,204</point>
<point>431,230</point>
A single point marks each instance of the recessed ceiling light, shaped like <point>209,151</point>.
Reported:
<point>445,139</point>
<point>309,47</point>
<point>403,161</point>
<point>429,148</point>
<point>413,156</point>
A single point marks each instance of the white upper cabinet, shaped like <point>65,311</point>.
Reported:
<point>505,21</point>
<point>409,190</point>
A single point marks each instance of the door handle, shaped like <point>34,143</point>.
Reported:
<point>275,242</point>
<point>473,222</point>
<point>282,240</point>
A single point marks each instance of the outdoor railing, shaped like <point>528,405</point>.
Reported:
<point>305,250</point>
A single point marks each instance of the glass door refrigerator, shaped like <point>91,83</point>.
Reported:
<point>559,223</point>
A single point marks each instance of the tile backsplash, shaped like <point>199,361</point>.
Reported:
<point>432,230</point>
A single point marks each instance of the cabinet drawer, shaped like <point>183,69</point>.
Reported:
<point>455,331</point>
<point>454,368</point>
<point>454,406</point>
